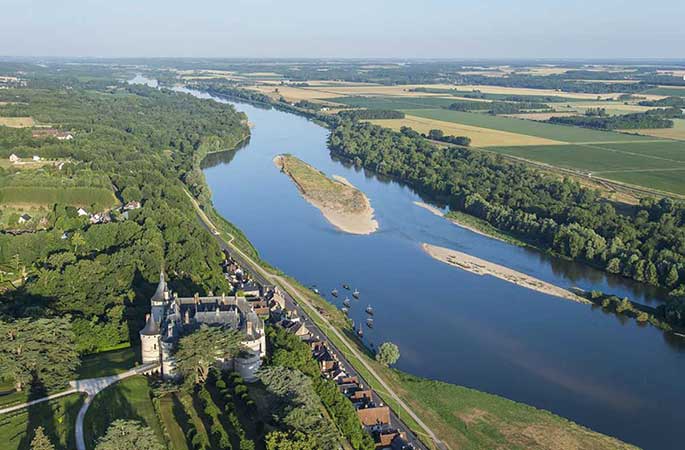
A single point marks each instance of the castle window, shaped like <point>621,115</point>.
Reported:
<point>154,347</point>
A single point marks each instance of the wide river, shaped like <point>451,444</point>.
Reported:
<point>596,369</point>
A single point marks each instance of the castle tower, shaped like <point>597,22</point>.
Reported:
<point>159,299</point>
<point>150,337</point>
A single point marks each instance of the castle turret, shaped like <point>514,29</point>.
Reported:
<point>150,340</point>
<point>159,299</point>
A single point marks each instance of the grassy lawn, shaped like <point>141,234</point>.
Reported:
<point>108,363</point>
<point>677,132</point>
<point>528,127</point>
<point>128,399</point>
<point>58,417</point>
<point>171,425</point>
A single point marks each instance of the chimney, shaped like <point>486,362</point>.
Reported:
<point>249,328</point>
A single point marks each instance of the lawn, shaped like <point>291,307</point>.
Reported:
<point>108,363</point>
<point>177,438</point>
<point>399,102</point>
<point>527,127</point>
<point>127,399</point>
<point>57,417</point>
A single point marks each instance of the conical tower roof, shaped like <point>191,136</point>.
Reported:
<point>161,289</point>
<point>151,328</point>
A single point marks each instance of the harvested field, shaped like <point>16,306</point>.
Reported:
<point>677,132</point>
<point>17,122</point>
<point>527,91</point>
<point>480,137</point>
<point>541,116</point>
<point>542,130</point>
<point>293,93</point>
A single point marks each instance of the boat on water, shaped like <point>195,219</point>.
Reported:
<point>355,294</point>
<point>360,332</point>
<point>346,286</point>
<point>346,302</point>
<point>345,309</point>
<point>369,310</point>
<point>334,292</point>
<point>369,322</point>
<point>315,289</point>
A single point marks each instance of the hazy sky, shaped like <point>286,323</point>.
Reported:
<point>344,28</point>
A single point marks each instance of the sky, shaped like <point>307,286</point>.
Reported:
<point>344,28</point>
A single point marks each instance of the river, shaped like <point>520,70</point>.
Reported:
<point>602,371</point>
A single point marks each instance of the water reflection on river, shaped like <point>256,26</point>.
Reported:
<point>597,369</point>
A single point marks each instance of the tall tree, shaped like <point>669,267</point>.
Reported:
<point>388,354</point>
<point>40,350</point>
<point>128,435</point>
<point>40,441</point>
<point>199,350</point>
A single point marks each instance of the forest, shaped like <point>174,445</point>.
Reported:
<point>655,118</point>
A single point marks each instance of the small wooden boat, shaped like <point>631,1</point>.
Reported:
<point>346,302</point>
<point>355,294</point>
<point>369,322</point>
<point>369,310</point>
<point>346,286</point>
<point>334,292</point>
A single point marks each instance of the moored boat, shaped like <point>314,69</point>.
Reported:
<point>369,310</point>
<point>369,322</point>
<point>346,286</point>
<point>346,302</point>
<point>334,292</point>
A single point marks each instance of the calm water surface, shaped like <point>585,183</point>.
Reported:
<point>606,373</point>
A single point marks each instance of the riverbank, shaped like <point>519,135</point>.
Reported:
<point>342,204</point>
<point>482,267</point>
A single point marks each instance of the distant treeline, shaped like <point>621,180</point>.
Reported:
<point>676,102</point>
<point>371,114</point>
<point>657,118</point>
<point>502,97</point>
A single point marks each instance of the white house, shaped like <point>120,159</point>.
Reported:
<point>14,158</point>
<point>82,212</point>
<point>24,218</point>
<point>36,158</point>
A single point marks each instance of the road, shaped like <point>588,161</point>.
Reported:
<point>90,387</point>
<point>290,293</point>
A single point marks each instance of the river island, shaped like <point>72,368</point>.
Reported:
<point>482,267</point>
<point>342,204</point>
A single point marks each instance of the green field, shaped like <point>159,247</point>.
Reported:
<point>488,96</point>
<point>527,127</point>
<point>108,363</point>
<point>669,91</point>
<point>657,164</point>
<point>128,399</point>
<point>398,102</point>
<point>57,417</point>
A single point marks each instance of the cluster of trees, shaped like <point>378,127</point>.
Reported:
<point>655,118</point>
<point>143,144</point>
<point>371,114</point>
<point>290,352</point>
<point>560,82</point>
<point>647,245</point>
<point>439,135</point>
<point>675,102</point>
<point>623,306</point>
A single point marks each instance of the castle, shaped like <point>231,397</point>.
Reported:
<point>171,314</point>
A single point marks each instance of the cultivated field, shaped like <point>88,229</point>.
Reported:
<point>397,102</point>
<point>543,130</point>
<point>16,122</point>
<point>670,91</point>
<point>657,164</point>
<point>677,132</point>
<point>480,137</point>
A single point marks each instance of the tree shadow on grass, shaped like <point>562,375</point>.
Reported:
<point>109,405</point>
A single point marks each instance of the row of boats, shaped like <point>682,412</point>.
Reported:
<point>347,304</point>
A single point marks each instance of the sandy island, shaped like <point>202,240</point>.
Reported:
<point>343,205</point>
<point>438,212</point>
<point>483,267</point>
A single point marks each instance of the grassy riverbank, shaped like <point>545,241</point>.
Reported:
<point>343,205</point>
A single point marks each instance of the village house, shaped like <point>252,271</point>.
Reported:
<point>24,218</point>
<point>131,205</point>
<point>43,133</point>
<point>82,212</point>
<point>36,158</point>
<point>14,158</point>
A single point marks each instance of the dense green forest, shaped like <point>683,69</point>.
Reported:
<point>554,214</point>
<point>143,144</point>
